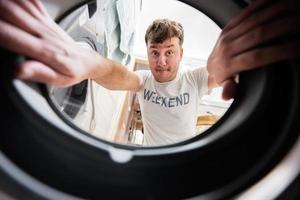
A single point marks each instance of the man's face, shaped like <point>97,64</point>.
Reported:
<point>164,59</point>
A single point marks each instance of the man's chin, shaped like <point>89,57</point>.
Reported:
<point>163,79</point>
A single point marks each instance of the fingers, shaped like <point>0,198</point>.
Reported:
<point>25,16</point>
<point>271,36</point>
<point>265,56</point>
<point>229,89</point>
<point>258,18</point>
<point>21,42</point>
<point>27,31</point>
<point>31,8</point>
<point>287,27</point>
<point>40,7</point>
<point>38,72</point>
<point>18,41</point>
<point>14,14</point>
<point>245,14</point>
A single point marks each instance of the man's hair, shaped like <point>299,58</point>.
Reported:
<point>162,29</point>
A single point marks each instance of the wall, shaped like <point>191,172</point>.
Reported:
<point>200,31</point>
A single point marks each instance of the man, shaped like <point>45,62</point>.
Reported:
<point>167,97</point>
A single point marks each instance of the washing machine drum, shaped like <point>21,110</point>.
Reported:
<point>255,144</point>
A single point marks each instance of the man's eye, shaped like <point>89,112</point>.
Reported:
<point>169,53</point>
<point>154,53</point>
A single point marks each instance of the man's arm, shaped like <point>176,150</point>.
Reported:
<point>116,76</point>
<point>246,41</point>
<point>55,58</point>
<point>26,29</point>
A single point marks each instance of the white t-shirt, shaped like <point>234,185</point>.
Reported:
<point>169,110</point>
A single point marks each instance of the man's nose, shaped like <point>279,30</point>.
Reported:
<point>162,60</point>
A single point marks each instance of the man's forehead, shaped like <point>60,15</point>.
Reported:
<point>160,45</point>
<point>168,43</point>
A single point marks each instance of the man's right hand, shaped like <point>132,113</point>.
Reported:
<point>247,41</point>
<point>53,57</point>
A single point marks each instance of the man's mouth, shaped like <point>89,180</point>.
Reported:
<point>162,70</point>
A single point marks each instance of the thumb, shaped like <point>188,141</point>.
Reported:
<point>229,89</point>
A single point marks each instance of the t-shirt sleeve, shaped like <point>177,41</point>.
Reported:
<point>143,74</point>
<point>200,79</point>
